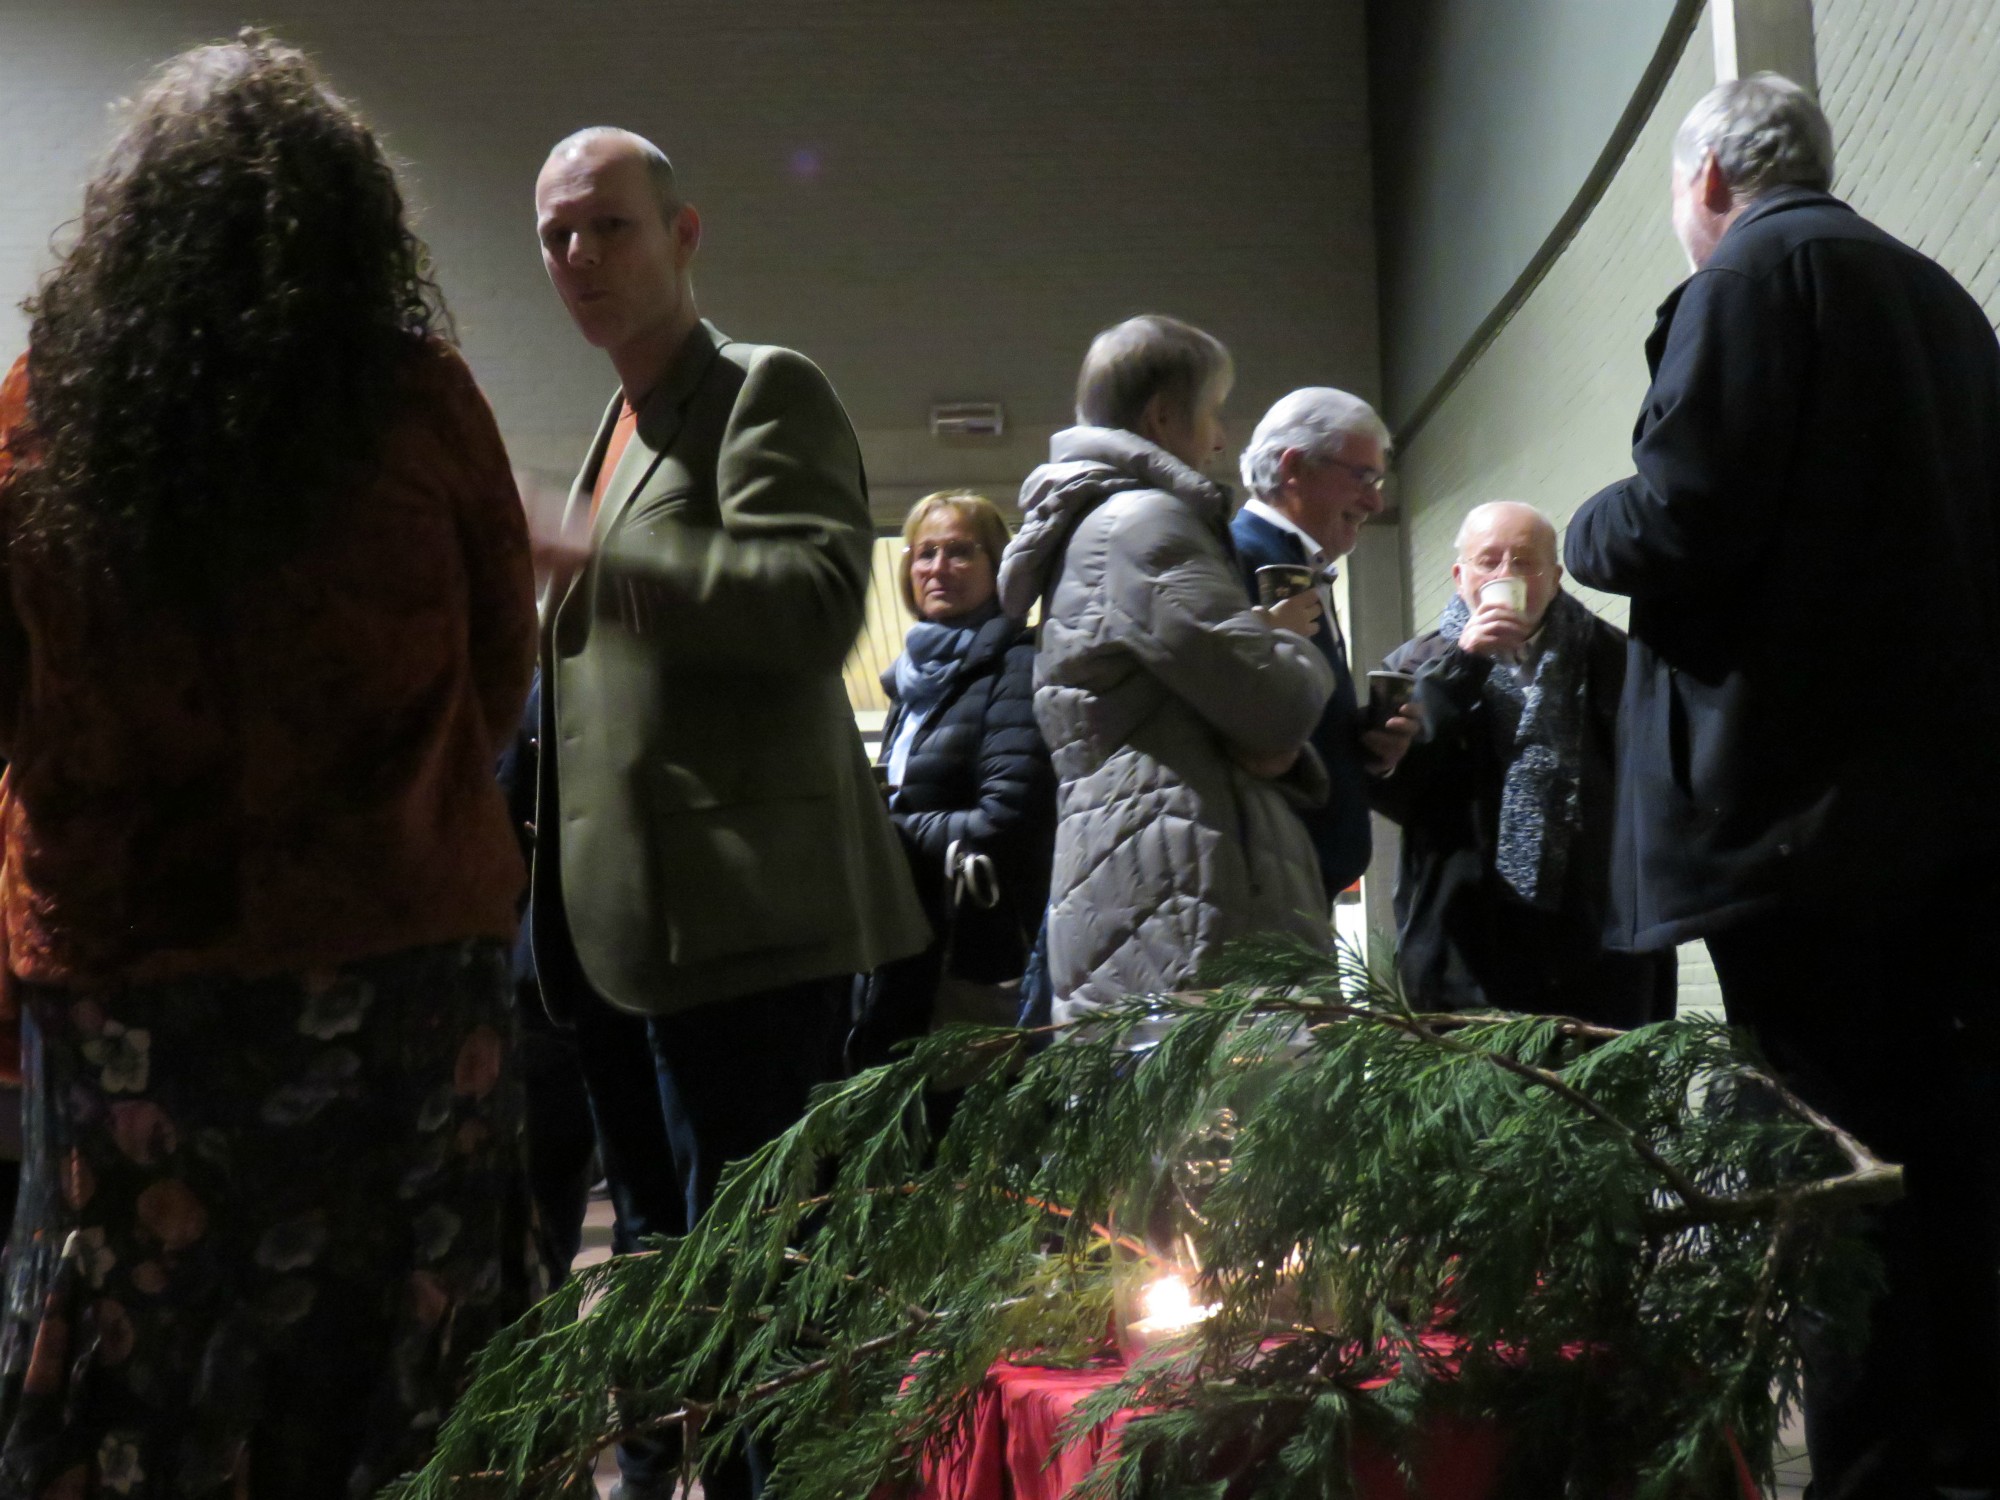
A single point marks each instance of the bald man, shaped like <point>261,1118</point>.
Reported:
<point>713,854</point>
<point>1506,800</point>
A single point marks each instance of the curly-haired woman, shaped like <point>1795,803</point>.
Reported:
<point>266,621</point>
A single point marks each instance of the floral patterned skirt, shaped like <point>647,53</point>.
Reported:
<point>264,1224</point>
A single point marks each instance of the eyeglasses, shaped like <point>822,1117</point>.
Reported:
<point>1521,564</point>
<point>958,553</point>
<point>1361,474</point>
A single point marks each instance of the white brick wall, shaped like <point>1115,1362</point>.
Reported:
<point>1910,88</point>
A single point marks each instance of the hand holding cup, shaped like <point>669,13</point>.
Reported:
<point>1298,614</point>
<point>1498,628</point>
<point>1287,598</point>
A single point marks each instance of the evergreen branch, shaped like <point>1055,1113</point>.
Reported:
<point>1872,1180</point>
<point>1054,1210</point>
<point>1344,1166</point>
<point>692,1413</point>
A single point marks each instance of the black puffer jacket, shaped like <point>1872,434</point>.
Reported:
<point>978,773</point>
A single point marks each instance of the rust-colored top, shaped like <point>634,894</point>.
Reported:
<point>621,438</point>
<point>309,784</point>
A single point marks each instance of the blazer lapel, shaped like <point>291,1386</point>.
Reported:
<point>1276,538</point>
<point>659,424</point>
<point>660,420</point>
<point>1328,635</point>
<point>576,509</point>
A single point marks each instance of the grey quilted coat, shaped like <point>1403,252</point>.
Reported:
<point>1151,664</point>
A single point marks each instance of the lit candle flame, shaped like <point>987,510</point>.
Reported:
<point>1168,1306</point>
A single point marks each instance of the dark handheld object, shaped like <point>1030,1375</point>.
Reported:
<point>1387,692</point>
<point>1280,581</point>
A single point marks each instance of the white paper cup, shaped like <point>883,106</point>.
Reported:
<point>1511,592</point>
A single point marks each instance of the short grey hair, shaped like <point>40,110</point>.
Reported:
<point>1317,420</point>
<point>659,169</point>
<point>1764,132</point>
<point>1151,355</point>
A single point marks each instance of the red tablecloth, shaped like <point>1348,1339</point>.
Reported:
<point>1010,1452</point>
<point>1007,1455</point>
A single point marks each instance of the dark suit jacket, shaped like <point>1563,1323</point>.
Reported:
<point>1812,551</point>
<point>709,826</point>
<point>1340,832</point>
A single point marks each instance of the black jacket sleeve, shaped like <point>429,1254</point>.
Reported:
<point>1442,760</point>
<point>1730,371</point>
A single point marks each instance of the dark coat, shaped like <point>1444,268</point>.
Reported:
<point>979,774</point>
<point>1811,549</point>
<point>1465,940</point>
<point>1339,829</point>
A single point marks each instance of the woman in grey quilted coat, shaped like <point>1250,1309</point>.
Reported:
<point>1178,715</point>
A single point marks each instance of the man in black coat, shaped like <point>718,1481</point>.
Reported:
<point>1313,471</point>
<point>1505,800</point>
<point>1811,545</point>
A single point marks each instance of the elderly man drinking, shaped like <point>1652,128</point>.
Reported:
<point>1506,800</point>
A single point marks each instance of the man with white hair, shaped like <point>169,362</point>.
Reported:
<point>1505,800</point>
<point>1313,470</point>
<point>1811,545</point>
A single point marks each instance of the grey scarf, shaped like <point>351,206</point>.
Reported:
<point>1538,728</point>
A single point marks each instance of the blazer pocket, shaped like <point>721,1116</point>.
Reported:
<point>750,877</point>
<point>668,504</point>
<point>732,745</point>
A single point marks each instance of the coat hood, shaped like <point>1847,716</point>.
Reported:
<point>1086,467</point>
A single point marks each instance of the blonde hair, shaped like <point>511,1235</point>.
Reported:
<point>989,529</point>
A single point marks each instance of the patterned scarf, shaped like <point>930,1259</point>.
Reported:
<point>921,676</point>
<point>1538,726</point>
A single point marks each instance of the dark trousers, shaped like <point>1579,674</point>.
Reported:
<point>677,1098</point>
<point>617,1061</point>
<point>559,1139</point>
<point>1888,1026</point>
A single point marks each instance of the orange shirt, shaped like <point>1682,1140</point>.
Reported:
<point>621,434</point>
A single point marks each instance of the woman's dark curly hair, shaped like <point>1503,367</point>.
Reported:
<point>222,350</point>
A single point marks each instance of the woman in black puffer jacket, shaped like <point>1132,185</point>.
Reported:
<point>967,769</point>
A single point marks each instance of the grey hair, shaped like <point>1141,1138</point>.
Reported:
<point>1317,420</point>
<point>658,168</point>
<point>1764,132</point>
<point>1151,355</point>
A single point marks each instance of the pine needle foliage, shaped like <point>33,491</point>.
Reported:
<point>1595,1239</point>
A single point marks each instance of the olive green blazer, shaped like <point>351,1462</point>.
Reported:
<point>707,815</point>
